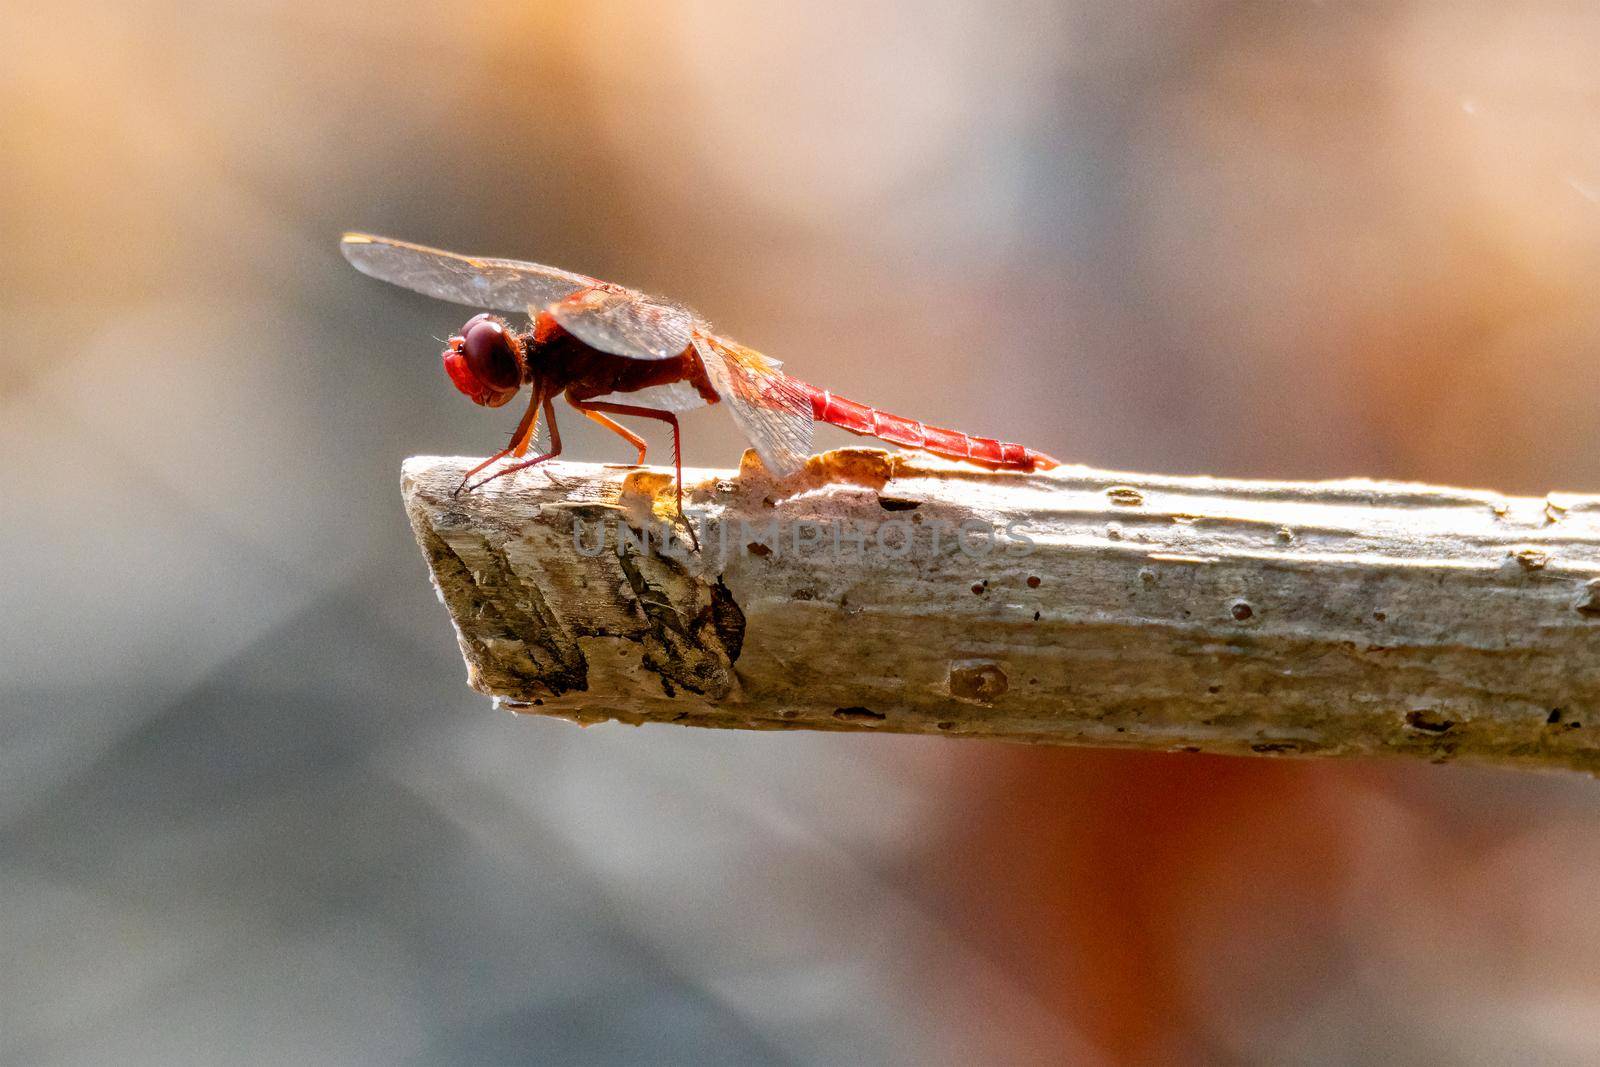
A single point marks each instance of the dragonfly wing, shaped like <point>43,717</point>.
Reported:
<point>625,323</point>
<point>771,408</point>
<point>501,284</point>
<point>674,396</point>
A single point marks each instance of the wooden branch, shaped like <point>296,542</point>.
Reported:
<point>1079,606</point>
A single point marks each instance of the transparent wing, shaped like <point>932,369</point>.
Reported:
<point>501,284</point>
<point>625,323</point>
<point>674,396</point>
<point>773,409</point>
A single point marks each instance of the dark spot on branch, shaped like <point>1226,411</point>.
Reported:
<point>756,548</point>
<point>1242,611</point>
<point>1554,716</point>
<point>894,503</point>
<point>1418,720</point>
<point>977,682</point>
<point>858,715</point>
<point>1125,496</point>
<point>550,658</point>
<point>1033,581</point>
<point>693,651</point>
<point>727,619</point>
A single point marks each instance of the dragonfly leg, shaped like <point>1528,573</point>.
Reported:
<point>588,406</point>
<point>617,428</point>
<point>555,450</point>
<point>519,440</point>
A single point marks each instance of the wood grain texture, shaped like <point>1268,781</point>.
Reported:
<point>1079,606</point>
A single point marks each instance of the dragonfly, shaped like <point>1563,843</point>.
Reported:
<point>613,351</point>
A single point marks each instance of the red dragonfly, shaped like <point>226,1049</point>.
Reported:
<point>615,351</point>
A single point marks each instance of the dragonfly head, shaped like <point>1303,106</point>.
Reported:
<point>485,360</point>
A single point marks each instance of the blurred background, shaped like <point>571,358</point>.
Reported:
<point>249,809</point>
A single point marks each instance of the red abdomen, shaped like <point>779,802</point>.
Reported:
<point>868,421</point>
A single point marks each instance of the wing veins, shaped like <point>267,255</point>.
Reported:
<point>501,284</point>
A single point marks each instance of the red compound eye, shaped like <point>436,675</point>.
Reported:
<point>482,361</point>
<point>489,354</point>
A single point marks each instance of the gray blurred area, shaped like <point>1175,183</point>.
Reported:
<point>250,812</point>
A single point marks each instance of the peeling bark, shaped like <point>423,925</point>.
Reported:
<point>1074,606</point>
